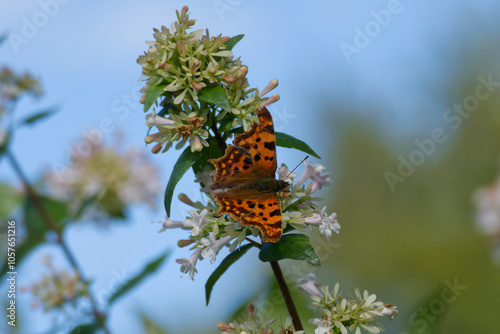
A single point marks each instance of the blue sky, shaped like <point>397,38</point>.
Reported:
<point>85,55</point>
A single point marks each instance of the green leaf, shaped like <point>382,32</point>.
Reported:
<point>89,328</point>
<point>22,250</point>
<point>35,224</point>
<point>290,246</point>
<point>186,160</point>
<point>38,116</point>
<point>211,152</point>
<point>150,268</point>
<point>233,41</point>
<point>11,198</point>
<point>215,95</point>
<point>153,93</point>
<point>221,269</point>
<point>284,140</point>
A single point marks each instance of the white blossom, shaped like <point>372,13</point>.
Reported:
<point>189,265</point>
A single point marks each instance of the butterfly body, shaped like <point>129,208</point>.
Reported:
<point>245,184</point>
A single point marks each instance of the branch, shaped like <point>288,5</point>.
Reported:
<point>292,310</point>
<point>52,225</point>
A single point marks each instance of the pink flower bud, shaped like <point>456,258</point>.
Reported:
<point>191,22</point>
<point>142,100</point>
<point>164,66</point>
<point>151,138</point>
<point>196,86</point>
<point>270,86</point>
<point>225,39</point>
<point>250,309</point>
<point>271,100</point>
<point>185,199</point>
<point>223,327</point>
<point>180,45</point>
<point>196,145</point>
<point>228,79</point>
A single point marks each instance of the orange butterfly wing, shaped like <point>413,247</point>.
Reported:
<point>260,143</point>
<point>246,177</point>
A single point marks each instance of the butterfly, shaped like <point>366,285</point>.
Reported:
<point>245,183</point>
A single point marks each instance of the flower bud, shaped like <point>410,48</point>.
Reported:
<point>271,100</point>
<point>196,145</point>
<point>184,242</point>
<point>250,309</point>
<point>270,86</point>
<point>228,79</point>
<point>191,22</point>
<point>244,69</point>
<point>164,66</point>
<point>184,10</point>
<point>225,39</point>
<point>149,59</point>
<point>196,63</point>
<point>185,199</point>
<point>196,86</point>
<point>180,45</point>
<point>212,70</point>
<point>151,138</point>
<point>142,100</point>
<point>223,327</point>
<point>157,148</point>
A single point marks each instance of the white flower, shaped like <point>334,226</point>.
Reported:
<point>309,285</point>
<point>324,325</point>
<point>155,120</point>
<point>197,222</point>
<point>284,174</point>
<point>212,246</point>
<point>169,223</point>
<point>320,180</point>
<point>189,265</point>
<point>327,224</point>
<point>309,172</point>
<point>390,311</point>
<point>205,177</point>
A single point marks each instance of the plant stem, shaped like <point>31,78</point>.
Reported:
<point>218,137</point>
<point>52,225</point>
<point>292,310</point>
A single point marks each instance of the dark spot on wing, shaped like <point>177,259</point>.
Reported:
<point>264,219</point>
<point>236,170</point>
<point>261,206</point>
<point>239,201</point>
<point>251,206</point>
<point>246,167</point>
<point>261,214</point>
<point>247,161</point>
<point>255,146</point>
<point>258,139</point>
<point>256,157</point>
<point>270,145</point>
<point>275,213</point>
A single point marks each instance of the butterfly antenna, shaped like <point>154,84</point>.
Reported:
<point>293,170</point>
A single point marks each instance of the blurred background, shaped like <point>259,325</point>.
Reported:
<point>400,98</point>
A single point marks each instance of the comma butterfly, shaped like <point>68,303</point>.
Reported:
<point>246,176</point>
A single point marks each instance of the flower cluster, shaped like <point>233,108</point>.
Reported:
<point>487,201</point>
<point>208,235</point>
<point>185,68</point>
<point>12,87</point>
<point>255,323</point>
<point>58,289</point>
<point>104,182</point>
<point>360,312</point>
